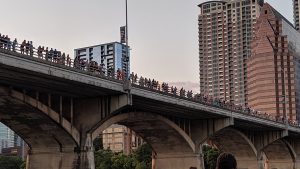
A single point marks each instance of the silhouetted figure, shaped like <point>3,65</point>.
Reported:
<point>226,161</point>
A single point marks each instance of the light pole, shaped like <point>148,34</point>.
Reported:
<point>127,47</point>
<point>127,69</point>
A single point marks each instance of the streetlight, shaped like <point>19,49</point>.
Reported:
<point>127,47</point>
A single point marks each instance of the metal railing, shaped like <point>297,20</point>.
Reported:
<point>141,82</point>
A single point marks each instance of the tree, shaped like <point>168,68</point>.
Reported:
<point>210,156</point>
<point>98,144</point>
<point>121,161</point>
<point>139,159</point>
<point>143,157</point>
<point>10,162</point>
<point>103,159</point>
<point>142,165</point>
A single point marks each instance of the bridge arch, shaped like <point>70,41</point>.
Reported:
<point>143,122</point>
<point>172,146</point>
<point>280,154</point>
<point>237,143</point>
<point>52,140</point>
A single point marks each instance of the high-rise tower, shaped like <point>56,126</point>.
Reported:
<point>296,14</point>
<point>225,31</point>
<point>274,66</point>
<point>8,138</point>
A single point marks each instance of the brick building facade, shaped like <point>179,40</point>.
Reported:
<point>225,33</point>
<point>274,66</point>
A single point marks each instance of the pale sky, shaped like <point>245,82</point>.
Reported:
<point>163,34</point>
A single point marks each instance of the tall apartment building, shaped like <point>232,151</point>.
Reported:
<point>225,31</point>
<point>274,67</point>
<point>296,14</point>
<point>110,56</point>
<point>8,138</point>
<point>119,138</point>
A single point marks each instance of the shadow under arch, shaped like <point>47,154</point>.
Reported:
<point>162,134</point>
<point>280,154</point>
<point>37,124</point>
<point>235,142</point>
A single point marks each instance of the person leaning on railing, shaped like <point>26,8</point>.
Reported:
<point>26,47</point>
<point>5,42</point>
<point>14,45</point>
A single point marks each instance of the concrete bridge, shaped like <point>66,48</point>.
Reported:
<point>58,110</point>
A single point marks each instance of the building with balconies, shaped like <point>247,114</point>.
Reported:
<point>274,66</point>
<point>111,56</point>
<point>225,31</point>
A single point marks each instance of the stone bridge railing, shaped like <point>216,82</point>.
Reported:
<point>92,67</point>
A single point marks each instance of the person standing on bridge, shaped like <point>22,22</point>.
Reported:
<point>14,44</point>
<point>22,47</point>
<point>226,161</point>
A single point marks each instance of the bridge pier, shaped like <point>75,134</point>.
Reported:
<point>178,161</point>
<point>87,154</point>
<point>281,164</point>
<point>248,163</point>
<point>297,164</point>
<point>67,159</point>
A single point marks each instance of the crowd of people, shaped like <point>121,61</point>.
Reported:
<point>27,48</point>
<point>204,99</point>
<point>53,55</point>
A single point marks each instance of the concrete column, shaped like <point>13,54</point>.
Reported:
<point>52,160</point>
<point>178,161</point>
<point>87,160</point>
<point>261,160</point>
<point>249,163</point>
<point>297,164</point>
<point>281,164</point>
<point>261,164</point>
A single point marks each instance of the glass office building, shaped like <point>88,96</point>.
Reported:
<point>110,56</point>
<point>8,138</point>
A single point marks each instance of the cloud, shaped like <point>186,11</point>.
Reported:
<point>195,87</point>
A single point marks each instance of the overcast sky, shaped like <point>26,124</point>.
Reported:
<point>163,34</point>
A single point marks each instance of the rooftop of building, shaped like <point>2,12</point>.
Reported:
<point>102,44</point>
<point>226,1</point>
<point>278,14</point>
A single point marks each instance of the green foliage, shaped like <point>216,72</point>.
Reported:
<point>98,144</point>
<point>121,161</point>
<point>210,156</point>
<point>139,159</point>
<point>142,165</point>
<point>10,162</point>
<point>143,157</point>
<point>103,159</point>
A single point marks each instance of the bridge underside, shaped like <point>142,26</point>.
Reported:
<point>231,140</point>
<point>279,156</point>
<point>50,145</point>
<point>172,145</point>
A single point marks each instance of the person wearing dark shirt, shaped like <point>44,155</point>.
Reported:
<point>226,161</point>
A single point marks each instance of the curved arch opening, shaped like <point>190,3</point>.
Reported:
<point>40,127</point>
<point>168,141</point>
<point>235,142</point>
<point>154,129</point>
<point>279,155</point>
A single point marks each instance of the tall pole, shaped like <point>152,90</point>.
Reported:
<point>127,47</point>
<point>126,25</point>
<point>127,73</point>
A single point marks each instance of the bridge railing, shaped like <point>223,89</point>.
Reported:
<point>164,88</point>
<point>59,58</point>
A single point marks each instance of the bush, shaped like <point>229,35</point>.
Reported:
<point>10,162</point>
